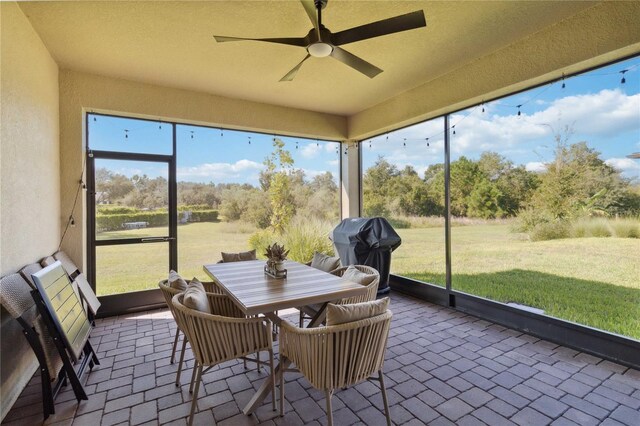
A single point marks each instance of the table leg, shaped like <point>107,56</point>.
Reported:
<point>265,388</point>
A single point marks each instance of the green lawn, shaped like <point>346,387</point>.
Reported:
<point>591,281</point>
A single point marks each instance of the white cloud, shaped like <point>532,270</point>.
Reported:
<point>595,117</point>
<point>535,166</point>
<point>220,171</point>
<point>628,166</point>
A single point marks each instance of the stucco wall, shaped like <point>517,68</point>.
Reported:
<point>30,174</point>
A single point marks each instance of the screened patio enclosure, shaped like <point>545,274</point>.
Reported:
<point>500,141</point>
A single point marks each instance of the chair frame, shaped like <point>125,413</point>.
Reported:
<point>338,356</point>
<point>211,288</point>
<point>371,294</point>
<point>218,338</point>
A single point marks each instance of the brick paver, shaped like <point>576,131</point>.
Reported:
<point>442,367</point>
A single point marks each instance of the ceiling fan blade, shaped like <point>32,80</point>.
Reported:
<point>310,8</point>
<point>379,28</point>
<point>290,41</point>
<point>356,63</point>
<point>291,74</point>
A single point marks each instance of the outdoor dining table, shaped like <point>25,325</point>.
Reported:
<point>254,292</point>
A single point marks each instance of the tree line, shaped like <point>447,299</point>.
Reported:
<point>576,183</point>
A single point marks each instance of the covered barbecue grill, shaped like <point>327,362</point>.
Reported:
<point>367,241</point>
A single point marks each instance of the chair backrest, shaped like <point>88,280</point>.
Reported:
<point>216,338</point>
<point>29,270</point>
<point>15,296</point>
<point>337,356</point>
<point>372,287</point>
<point>168,292</point>
<point>70,268</point>
<point>46,261</point>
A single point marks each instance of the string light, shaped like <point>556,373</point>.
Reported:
<point>126,134</point>
<point>482,106</point>
<point>94,118</point>
<point>624,80</point>
<point>369,143</point>
<point>249,140</point>
<point>191,134</point>
<point>221,132</point>
<point>427,139</point>
<point>387,137</point>
<point>296,144</point>
<point>563,84</point>
<point>519,113</point>
<point>454,129</point>
<point>404,143</point>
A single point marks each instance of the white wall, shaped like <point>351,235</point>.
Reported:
<point>29,174</point>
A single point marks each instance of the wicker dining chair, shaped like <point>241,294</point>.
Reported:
<point>308,312</point>
<point>219,337</point>
<point>168,292</point>
<point>337,356</point>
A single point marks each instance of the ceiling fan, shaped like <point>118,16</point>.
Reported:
<point>320,42</point>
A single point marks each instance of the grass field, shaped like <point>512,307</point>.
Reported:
<point>591,281</point>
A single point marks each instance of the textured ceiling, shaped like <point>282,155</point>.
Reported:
<point>171,44</point>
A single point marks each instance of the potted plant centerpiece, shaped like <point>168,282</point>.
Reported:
<point>276,255</point>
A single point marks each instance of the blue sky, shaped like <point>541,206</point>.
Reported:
<point>600,111</point>
<point>596,106</point>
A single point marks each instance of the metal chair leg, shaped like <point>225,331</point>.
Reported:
<point>193,375</point>
<point>328,394</point>
<point>384,398</point>
<point>194,402</point>
<point>281,387</point>
<point>184,346</point>
<point>273,380</point>
<point>175,344</point>
<point>301,321</point>
<point>258,369</point>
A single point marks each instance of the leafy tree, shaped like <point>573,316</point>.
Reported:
<point>279,166</point>
<point>111,187</point>
<point>484,201</point>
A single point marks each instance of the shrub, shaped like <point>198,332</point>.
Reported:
<point>260,239</point>
<point>114,222</point>
<point>530,218</point>
<point>626,228</point>
<point>550,231</point>
<point>111,209</point>
<point>599,228</point>
<point>302,237</point>
<point>204,216</point>
<point>580,229</point>
<point>193,207</point>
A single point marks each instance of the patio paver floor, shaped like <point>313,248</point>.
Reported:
<point>442,367</point>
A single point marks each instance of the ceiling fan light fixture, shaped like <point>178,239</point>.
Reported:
<point>320,49</point>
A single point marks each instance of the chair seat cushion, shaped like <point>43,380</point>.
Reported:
<point>341,314</point>
<point>325,263</point>
<point>354,275</point>
<point>238,257</point>
<point>196,298</point>
<point>176,281</point>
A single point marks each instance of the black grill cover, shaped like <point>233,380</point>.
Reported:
<point>367,241</point>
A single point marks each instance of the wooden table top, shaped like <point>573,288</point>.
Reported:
<point>255,292</point>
